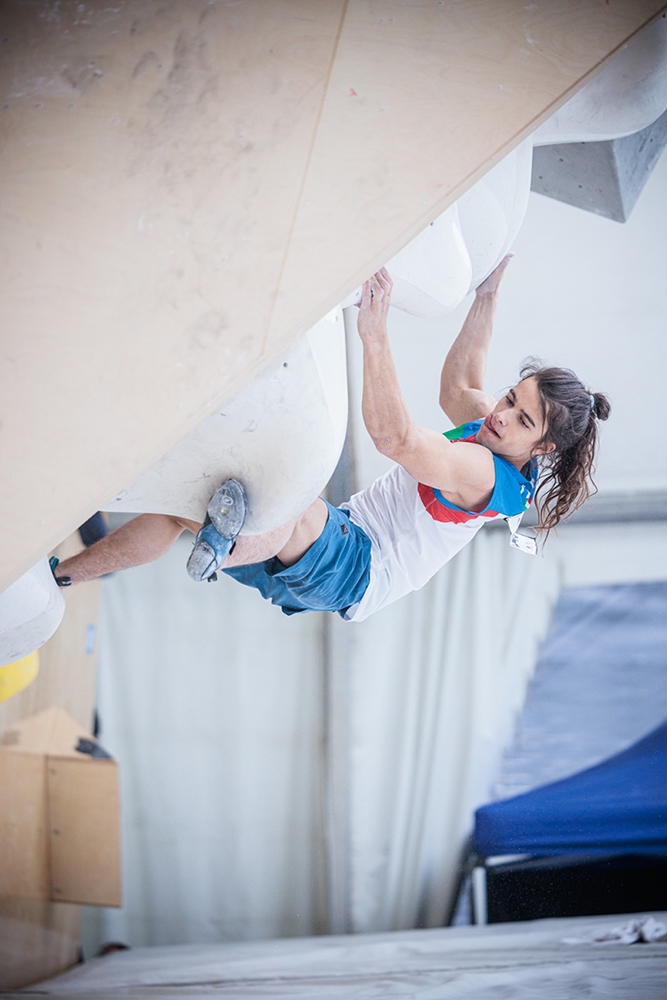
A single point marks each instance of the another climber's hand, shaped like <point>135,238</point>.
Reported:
<point>374,305</point>
<point>490,285</point>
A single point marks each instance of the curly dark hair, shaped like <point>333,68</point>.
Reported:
<point>571,414</point>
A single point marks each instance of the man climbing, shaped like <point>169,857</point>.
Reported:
<point>392,537</point>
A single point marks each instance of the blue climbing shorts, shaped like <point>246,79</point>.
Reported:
<point>331,576</point>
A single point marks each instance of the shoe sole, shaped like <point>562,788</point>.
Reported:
<point>227,508</point>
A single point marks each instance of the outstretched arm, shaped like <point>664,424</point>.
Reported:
<point>462,395</point>
<point>464,473</point>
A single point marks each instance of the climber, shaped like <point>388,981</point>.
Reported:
<point>392,537</point>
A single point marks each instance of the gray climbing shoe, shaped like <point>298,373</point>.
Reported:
<point>215,539</point>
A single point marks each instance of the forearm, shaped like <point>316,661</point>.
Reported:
<point>384,411</point>
<point>465,364</point>
<point>139,541</point>
<point>462,379</point>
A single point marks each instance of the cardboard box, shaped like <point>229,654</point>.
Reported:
<point>59,814</point>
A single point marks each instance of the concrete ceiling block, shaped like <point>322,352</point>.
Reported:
<point>603,177</point>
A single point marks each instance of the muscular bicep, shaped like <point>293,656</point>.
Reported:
<point>463,471</point>
<point>465,405</point>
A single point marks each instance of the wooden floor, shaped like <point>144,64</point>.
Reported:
<point>524,961</point>
<point>189,186</point>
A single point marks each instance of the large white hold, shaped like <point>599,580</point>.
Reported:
<point>281,436</point>
<point>458,250</point>
<point>433,272</point>
<point>30,612</point>
<point>492,211</point>
<point>628,95</point>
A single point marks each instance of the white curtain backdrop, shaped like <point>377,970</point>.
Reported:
<point>436,681</point>
<point>292,776</point>
<point>212,702</point>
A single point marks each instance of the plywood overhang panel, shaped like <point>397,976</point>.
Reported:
<point>190,185</point>
<point>152,161</point>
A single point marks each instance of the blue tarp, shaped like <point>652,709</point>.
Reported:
<point>616,807</point>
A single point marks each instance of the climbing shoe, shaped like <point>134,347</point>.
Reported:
<point>224,519</point>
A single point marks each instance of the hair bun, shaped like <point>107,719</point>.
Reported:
<point>600,405</point>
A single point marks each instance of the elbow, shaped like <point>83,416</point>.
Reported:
<point>385,445</point>
<point>452,404</point>
<point>449,396</point>
<point>391,446</point>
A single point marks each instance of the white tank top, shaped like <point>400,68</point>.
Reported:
<point>414,530</point>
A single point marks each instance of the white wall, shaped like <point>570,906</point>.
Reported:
<point>213,703</point>
<point>599,554</point>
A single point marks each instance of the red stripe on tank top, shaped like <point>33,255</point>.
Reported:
<point>439,512</point>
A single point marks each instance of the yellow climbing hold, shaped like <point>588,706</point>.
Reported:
<point>16,676</point>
